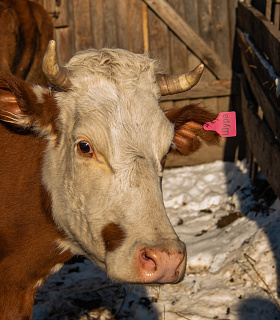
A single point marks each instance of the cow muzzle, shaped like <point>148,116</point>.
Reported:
<point>161,266</point>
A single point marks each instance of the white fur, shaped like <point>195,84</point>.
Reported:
<point>114,104</point>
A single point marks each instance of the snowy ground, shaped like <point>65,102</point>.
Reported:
<point>233,243</point>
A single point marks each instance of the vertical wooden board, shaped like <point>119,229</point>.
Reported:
<point>181,103</point>
<point>276,19</point>
<point>205,24</point>
<point>58,11</point>
<point>205,154</point>
<point>135,26</point>
<point>232,7</point>
<point>262,32</point>
<point>262,142</point>
<point>178,50</point>
<point>204,31</point>
<point>198,101</point>
<point>268,9</point>
<point>211,104</point>
<point>71,25</point>
<point>223,104</point>
<point>121,23</point>
<point>82,24</point>
<point>97,30</point>
<point>110,23</point>
<point>166,105</point>
<point>159,41</point>
<point>191,17</point>
<point>205,21</point>
<point>220,30</point>
<point>64,47</point>
<point>192,13</point>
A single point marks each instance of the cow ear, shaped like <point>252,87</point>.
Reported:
<point>189,133</point>
<point>26,106</point>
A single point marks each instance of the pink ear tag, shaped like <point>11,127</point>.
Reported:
<point>225,124</point>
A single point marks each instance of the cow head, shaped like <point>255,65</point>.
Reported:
<point>107,139</point>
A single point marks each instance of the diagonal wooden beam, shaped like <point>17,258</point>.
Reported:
<point>192,40</point>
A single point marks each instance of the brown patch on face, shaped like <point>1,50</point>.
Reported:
<point>113,236</point>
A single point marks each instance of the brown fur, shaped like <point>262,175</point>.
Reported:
<point>19,93</point>
<point>25,30</point>
<point>28,235</point>
<point>189,130</point>
<point>113,236</point>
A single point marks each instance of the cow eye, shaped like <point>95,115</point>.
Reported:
<point>85,148</point>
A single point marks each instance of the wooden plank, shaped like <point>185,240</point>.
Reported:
<point>145,28</point>
<point>232,6</point>
<point>265,148</point>
<point>270,110</point>
<point>159,41</point>
<point>218,88</point>
<point>110,23</point>
<point>276,18</point>
<point>178,50</point>
<point>82,24</point>
<point>59,12</point>
<point>261,71</point>
<point>204,31</point>
<point>180,27</point>
<point>192,16</point>
<point>262,32</point>
<point>97,29</point>
<point>205,154</point>
<point>221,30</point>
<point>121,16</point>
<point>64,47</point>
<point>137,26</point>
<point>205,21</point>
<point>268,8</point>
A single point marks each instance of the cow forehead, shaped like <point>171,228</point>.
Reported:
<point>115,64</point>
<point>126,122</point>
<point>115,101</point>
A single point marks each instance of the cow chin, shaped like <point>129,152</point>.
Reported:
<point>162,263</point>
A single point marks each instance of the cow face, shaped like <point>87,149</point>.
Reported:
<point>104,172</point>
<point>107,138</point>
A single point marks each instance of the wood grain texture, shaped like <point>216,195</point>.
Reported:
<point>181,28</point>
<point>262,32</point>
<point>261,140</point>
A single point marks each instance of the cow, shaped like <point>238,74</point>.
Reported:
<point>25,30</point>
<point>81,168</point>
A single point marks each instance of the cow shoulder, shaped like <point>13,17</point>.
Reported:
<point>27,106</point>
<point>188,124</point>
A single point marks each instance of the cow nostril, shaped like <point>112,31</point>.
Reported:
<point>144,256</point>
<point>161,266</point>
<point>148,261</point>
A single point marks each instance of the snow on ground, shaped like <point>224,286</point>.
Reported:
<point>233,244</point>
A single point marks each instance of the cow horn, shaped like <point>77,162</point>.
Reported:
<point>53,72</point>
<point>171,84</point>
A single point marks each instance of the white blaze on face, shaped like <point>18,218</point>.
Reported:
<point>104,173</point>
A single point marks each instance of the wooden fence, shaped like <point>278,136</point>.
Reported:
<point>180,33</point>
<point>259,42</point>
